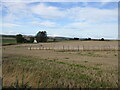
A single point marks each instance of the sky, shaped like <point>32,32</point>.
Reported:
<point>69,19</point>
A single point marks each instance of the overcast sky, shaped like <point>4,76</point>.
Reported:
<point>73,19</point>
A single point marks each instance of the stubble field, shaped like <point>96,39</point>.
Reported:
<point>60,68</point>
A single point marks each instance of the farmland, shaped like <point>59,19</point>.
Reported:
<point>8,40</point>
<point>60,68</point>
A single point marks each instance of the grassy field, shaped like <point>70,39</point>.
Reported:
<point>59,69</point>
<point>8,40</point>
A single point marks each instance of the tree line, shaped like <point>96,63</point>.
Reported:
<point>40,37</point>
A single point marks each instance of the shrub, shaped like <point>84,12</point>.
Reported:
<point>19,38</point>
<point>102,39</point>
<point>76,38</point>
<point>89,38</point>
<point>31,39</point>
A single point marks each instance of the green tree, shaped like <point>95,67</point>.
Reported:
<point>102,39</point>
<point>89,38</point>
<point>19,38</point>
<point>31,39</point>
<point>41,36</point>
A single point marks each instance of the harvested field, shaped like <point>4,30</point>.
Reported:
<point>76,45</point>
<point>60,68</point>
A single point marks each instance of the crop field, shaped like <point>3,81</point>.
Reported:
<point>8,40</point>
<point>50,68</point>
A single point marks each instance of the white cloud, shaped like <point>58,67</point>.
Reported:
<point>78,13</point>
<point>45,23</point>
<point>54,35</point>
<point>76,25</point>
<point>10,25</point>
<point>10,32</point>
<point>23,11</point>
<point>60,0</point>
<point>91,20</point>
<point>86,26</point>
<point>92,14</point>
<point>47,11</point>
<point>94,31</point>
<point>15,11</point>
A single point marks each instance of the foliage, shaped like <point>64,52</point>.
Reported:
<point>102,39</point>
<point>41,36</point>
<point>31,39</point>
<point>19,38</point>
<point>76,38</point>
<point>89,38</point>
